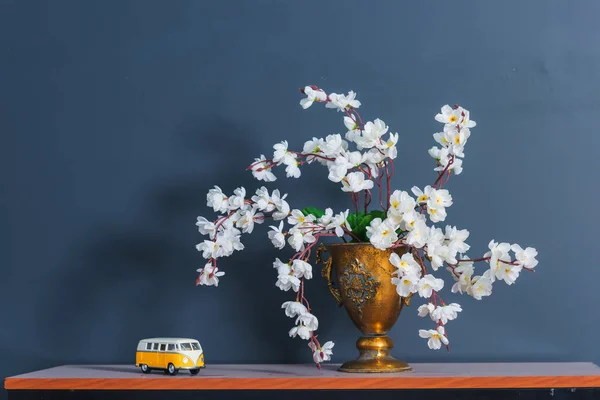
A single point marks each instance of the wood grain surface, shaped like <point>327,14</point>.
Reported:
<point>297,377</point>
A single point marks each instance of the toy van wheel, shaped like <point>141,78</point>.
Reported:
<point>145,369</point>
<point>194,371</point>
<point>171,369</point>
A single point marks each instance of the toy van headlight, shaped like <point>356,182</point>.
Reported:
<point>185,360</point>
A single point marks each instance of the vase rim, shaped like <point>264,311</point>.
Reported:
<point>354,244</point>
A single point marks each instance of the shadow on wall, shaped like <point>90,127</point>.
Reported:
<point>136,280</point>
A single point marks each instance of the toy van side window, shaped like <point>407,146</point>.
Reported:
<point>185,346</point>
<point>171,347</point>
<point>148,346</point>
<point>155,347</point>
<point>163,347</point>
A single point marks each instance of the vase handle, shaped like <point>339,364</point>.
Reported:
<point>326,273</point>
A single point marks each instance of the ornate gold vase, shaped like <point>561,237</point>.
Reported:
<point>363,276</point>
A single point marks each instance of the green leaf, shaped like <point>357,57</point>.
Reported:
<point>378,214</point>
<point>351,220</point>
<point>361,227</point>
<point>317,212</point>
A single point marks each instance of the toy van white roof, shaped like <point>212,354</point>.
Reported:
<point>168,340</point>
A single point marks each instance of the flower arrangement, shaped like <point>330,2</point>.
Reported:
<point>400,220</point>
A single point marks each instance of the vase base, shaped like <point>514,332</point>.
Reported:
<point>375,357</point>
<point>386,365</point>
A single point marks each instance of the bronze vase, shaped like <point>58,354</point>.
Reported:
<point>363,276</point>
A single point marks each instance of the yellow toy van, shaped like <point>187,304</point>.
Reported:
<point>169,355</point>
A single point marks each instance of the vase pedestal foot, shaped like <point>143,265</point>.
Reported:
<point>375,356</point>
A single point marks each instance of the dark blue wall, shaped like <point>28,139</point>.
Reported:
<point>117,116</point>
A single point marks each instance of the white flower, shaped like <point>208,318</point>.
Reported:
<point>440,137</point>
<point>302,269</point>
<point>525,257</point>
<point>443,157</point>
<point>262,200</point>
<point>373,158</point>
<point>262,171</point>
<point>287,282</point>
<point>298,217</point>
<point>446,313</point>
<point>437,201</point>
<point>283,208</point>
<point>401,203</point>
<point>439,198</point>
<point>300,330</point>
<point>297,238</point>
<point>382,234</point>
<point>228,241</point>
<point>291,169</point>
<point>422,196</point>
<point>437,214</point>
<point>464,271</point>
<point>206,227</point>
<point>371,134</point>
<point>418,235</point>
<point>339,222</point>
<point>305,324</point>
<point>276,236</point>
<point>409,220</point>
<point>281,267</point>
<point>406,285</point>
<point>456,239</point>
<point>439,154</point>
<point>334,145</point>
<point>342,102</point>
<point>209,275</point>
<point>456,166</point>
<point>406,265</point>
<point>294,308</point>
<point>508,273</point>
<point>281,154</point>
<point>342,163</point>
<point>308,320</point>
<point>322,353</point>
<point>217,200</point>
<point>285,278</point>
<point>456,140</point>
<point>337,169</point>
<point>436,337</point>
<point>500,263</point>
<point>480,286</point>
<point>350,124</point>
<point>455,116</point>
<point>428,284</point>
<point>425,309</point>
<point>389,148</point>
<point>312,95</point>
<point>436,250</point>
<point>352,135</point>
<point>314,146</point>
<point>355,182</point>
<point>236,201</point>
<point>247,220</point>
<point>326,218</point>
<point>210,249</point>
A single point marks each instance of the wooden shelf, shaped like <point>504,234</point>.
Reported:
<point>298,377</point>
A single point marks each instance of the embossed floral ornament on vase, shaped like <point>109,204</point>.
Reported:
<point>399,221</point>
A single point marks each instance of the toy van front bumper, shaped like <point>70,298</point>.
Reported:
<point>192,367</point>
